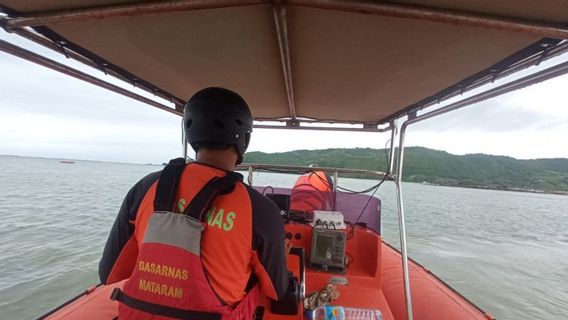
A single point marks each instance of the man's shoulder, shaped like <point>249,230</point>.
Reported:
<point>258,200</point>
<point>149,179</point>
<point>143,185</point>
<point>255,194</point>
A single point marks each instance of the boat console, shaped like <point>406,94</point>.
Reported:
<point>327,248</point>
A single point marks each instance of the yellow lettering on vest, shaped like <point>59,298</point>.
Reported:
<point>218,221</point>
<point>181,205</point>
<point>228,225</point>
<point>155,288</point>
<point>178,293</point>
<point>142,284</point>
<point>209,215</point>
<point>172,272</point>
<point>152,287</point>
<point>158,270</point>
<point>163,270</point>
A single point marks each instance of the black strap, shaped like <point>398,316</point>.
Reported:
<point>216,186</point>
<point>168,185</point>
<point>169,182</point>
<point>161,310</point>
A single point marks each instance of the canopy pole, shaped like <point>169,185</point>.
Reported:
<point>447,16</point>
<point>404,11</point>
<point>401,224</point>
<point>394,128</point>
<point>51,64</point>
<point>552,72</point>
<point>183,140</point>
<point>60,48</point>
<point>250,174</point>
<point>123,10</point>
<point>280,19</point>
<point>316,128</point>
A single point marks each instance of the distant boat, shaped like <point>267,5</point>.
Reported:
<point>67,161</point>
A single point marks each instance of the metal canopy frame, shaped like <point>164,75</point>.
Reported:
<point>59,67</point>
<point>251,167</point>
<point>549,73</point>
<point>23,24</point>
<point>407,11</point>
<point>280,20</point>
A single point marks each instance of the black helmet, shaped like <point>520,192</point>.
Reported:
<point>218,116</point>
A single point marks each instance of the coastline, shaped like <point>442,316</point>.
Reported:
<point>560,193</point>
<point>457,185</point>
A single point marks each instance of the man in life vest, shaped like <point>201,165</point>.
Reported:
<point>193,241</point>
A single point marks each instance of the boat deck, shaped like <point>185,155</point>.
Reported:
<point>373,280</point>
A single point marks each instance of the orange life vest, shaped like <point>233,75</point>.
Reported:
<point>312,191</point>
<point>169,279</point>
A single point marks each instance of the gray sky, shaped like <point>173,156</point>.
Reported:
<point>47,114</point>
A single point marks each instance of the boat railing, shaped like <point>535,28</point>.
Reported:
<point>277,168</point>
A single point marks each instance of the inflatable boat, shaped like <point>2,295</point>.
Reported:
<point>335,65</point>
<point>370,278</point>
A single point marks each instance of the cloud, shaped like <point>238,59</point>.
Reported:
<point>539,107</point>
<point>44,113</point>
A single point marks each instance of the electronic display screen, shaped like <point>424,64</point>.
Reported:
<point>282,201</point>
<point>324,246</point>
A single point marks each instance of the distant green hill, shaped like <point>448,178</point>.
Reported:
<point>438,167</point>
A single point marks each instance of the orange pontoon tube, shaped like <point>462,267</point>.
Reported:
<point>312,191</point>
<point>352,65</point>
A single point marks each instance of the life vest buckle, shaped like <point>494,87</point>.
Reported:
<point>115,294</point>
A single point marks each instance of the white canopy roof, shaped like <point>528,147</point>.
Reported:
<point>318,59</point>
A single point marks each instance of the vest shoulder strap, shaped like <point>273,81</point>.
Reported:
<point>215,187</point>
<point>168,185</point>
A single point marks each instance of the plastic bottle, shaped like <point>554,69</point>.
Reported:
<point>342,313</point>
<point>362,314</point>
<point>328,313</point>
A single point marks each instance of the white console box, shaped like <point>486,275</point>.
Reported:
<point>328,219</point>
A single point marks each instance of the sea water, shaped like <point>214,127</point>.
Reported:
<point>505,251</point>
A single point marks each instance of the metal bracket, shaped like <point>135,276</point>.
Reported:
<point>544,53</point>
<point>370,126</point>
<point>391,177</point>
<point>4,25</point>
<point>103,67</point>
<point>61,45</point>
<point>293,123</point>
<point>412,115</point>
<point>495,75</point>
